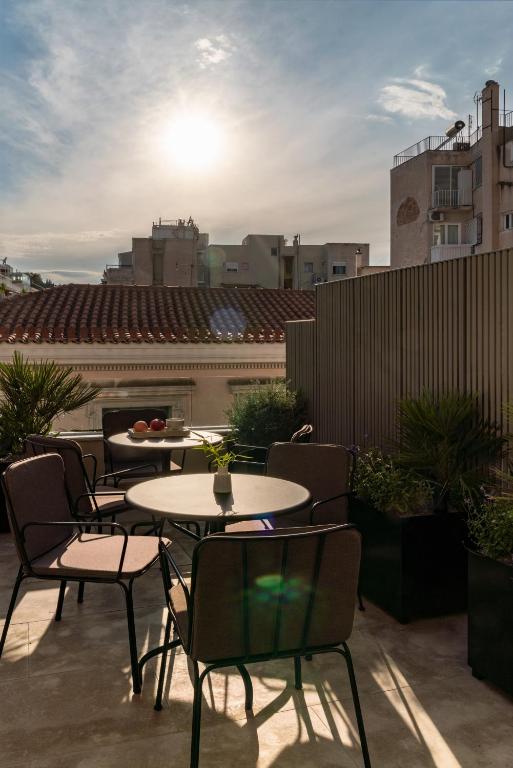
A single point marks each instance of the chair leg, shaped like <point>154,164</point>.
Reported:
<point>356,702</point>
<point>196,716</point>
<point>361,606</point>
<point>132,638</point>
<point>297,673</point>
<point>81,587</point>
<point>162,673</point>
<point>60,601</point>
<point>248,686</point>
<point>19,579</point>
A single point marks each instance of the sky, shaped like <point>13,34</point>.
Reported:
<point>251,116</point>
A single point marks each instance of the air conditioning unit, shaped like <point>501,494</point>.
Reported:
<point>436,216</point>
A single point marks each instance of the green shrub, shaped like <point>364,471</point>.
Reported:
<point>33,395</point>
<point>271,413</point>
<point>491,528</point>
<point>391,489</point>
<point>445,440</point>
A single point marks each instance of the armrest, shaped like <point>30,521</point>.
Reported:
<point>74,524</point>
<point>92,495</point>
<point>166,561</point>
<point>122,472</point>
<point>315,505</point>
<point>95,464</point>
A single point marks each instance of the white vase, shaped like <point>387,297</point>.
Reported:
<point>222,481</point>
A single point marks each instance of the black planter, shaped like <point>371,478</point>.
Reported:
<point>4,523</point>
<point>412,566</point>
<point>490,620</point>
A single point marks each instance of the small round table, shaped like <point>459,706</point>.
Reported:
<point>165,445</point>
<point>191,498</point>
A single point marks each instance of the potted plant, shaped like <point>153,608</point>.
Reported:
<point>271,413</point>
<point>490,592</point>
<point>220,459</point>
<point>32,395</point>
<point>411,505</point>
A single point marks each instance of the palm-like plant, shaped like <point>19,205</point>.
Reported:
<point>444,439</point>
<point>33,395</point>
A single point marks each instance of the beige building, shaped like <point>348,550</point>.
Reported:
<point>178,254</point>
<point>191,350</point>
<point>452,195</point>
<point>173,255</point>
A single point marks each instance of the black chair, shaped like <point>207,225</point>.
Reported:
<point>234,615</point>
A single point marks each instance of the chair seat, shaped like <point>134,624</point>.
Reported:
<point>90,555</point>
<point>109,503</point>
<point>249,526</point>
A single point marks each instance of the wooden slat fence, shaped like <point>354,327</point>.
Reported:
<point>444,326</point>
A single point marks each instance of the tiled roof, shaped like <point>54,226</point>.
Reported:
<point>152,314</point>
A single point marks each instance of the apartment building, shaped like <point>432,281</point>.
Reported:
<point>178,254</point>
<point>267,261</point>
<point>173,255</point>
<point>452,195</point>
<point>13,281</point>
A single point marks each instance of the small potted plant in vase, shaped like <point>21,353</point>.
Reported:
<point>220,459</point>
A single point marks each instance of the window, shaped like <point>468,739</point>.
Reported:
<point>231,266</point>
<point>446,234</point>
<point>338,268</point>
<point>445,185</point>
<point>308,267</point>
<point>479,233</point>
<point>244,265</point>
<point>478,172</point>
<point>274,251</point>
<point>508,220</point>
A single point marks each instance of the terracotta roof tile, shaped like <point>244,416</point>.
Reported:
<point>120,314</point>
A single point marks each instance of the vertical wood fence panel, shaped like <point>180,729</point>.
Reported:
<point>444,326</point>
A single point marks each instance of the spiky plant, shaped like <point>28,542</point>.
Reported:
<point>33,395</point>
<point>444,439</point>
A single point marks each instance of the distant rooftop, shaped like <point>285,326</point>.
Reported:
<point>152,314</point>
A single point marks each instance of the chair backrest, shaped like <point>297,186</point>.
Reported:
<point>35,491</point>
<point>324,469</point>
<point>76,479</point>
<point>119,421</point>
<point>273,593</point>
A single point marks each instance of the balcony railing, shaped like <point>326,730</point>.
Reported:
<point>445,252</point>
<point>459,143</point>
<point>451,198</point>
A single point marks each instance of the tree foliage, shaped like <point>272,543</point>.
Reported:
<point>33,395</point>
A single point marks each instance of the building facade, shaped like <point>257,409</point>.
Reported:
<point>178,254</point>
<point>190,350</point>
<point>452,195</point>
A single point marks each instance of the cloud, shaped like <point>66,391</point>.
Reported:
<point>214,51</point>
<point>373,118</point>
<point>494,68</point>
<point>415,99</point>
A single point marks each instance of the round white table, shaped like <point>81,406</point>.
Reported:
<point>191,498</point>
<point>196,437</point>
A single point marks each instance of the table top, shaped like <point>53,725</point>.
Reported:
<point>191,497</point>
<point>123,439</point>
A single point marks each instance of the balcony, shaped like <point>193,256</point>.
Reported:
<point>452,198</point>
<point>445,252</point>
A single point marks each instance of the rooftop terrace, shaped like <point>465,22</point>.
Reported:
<point>66,697</point>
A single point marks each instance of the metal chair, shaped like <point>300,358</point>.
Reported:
<point>302,435</point>
<point>51,545</point>
<point>235,613</point>
<point>132,460</point>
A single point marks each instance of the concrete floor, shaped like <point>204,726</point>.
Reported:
<point>65,695</point>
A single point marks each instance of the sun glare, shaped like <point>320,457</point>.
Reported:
<point>194,142</point>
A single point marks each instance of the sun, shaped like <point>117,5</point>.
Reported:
<point>194,141</point>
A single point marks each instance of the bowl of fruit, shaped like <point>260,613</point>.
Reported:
<point>157,428</point>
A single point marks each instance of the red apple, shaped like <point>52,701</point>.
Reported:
<point>140,426</point>
<point>157,425</point>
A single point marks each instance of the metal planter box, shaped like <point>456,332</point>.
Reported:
<point>412,566</point>
<point>490,620</point>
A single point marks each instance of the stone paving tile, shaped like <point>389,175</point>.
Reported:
<point>66,702</point>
